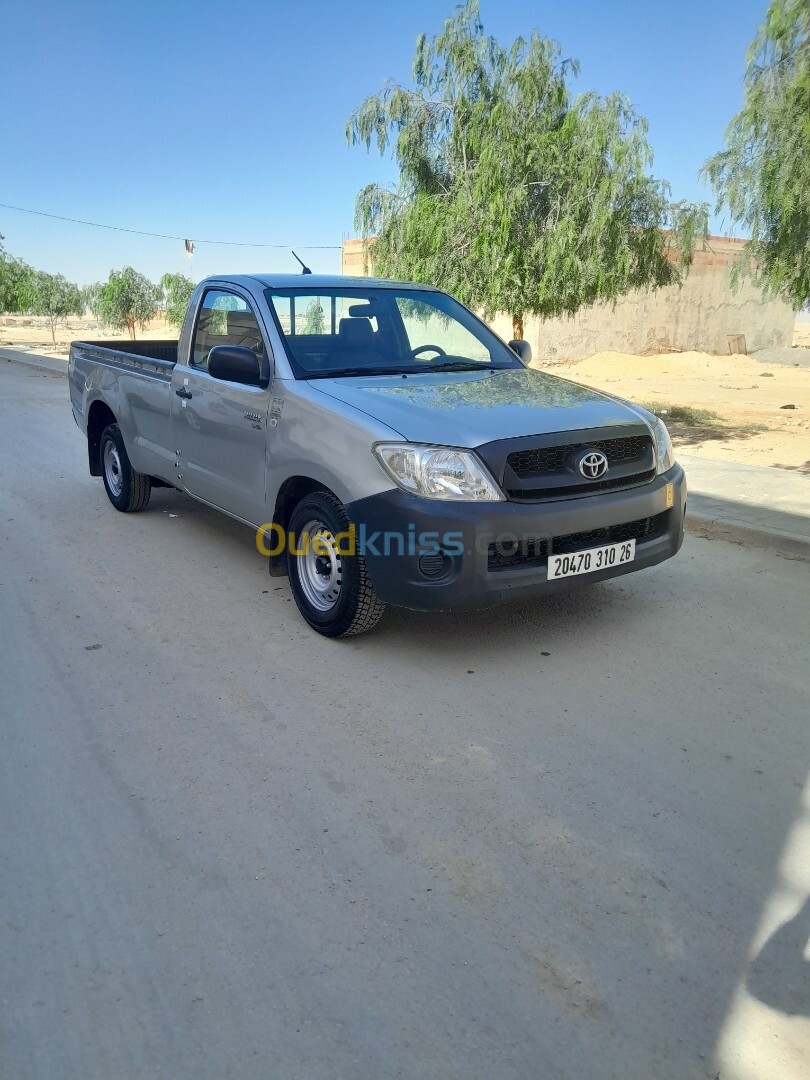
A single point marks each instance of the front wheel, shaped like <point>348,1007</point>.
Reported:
<point>127,489</point>
<point>329,580</point>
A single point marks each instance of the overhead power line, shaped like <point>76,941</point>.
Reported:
<point>166,236</point>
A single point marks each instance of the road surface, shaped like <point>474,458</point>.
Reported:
<point>569,838</point>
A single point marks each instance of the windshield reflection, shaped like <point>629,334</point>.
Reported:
<point>330,333</point>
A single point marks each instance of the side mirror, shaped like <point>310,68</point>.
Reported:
<point>523,349</point>
<point>234,363</point>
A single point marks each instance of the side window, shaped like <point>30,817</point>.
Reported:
<point>224,319</point>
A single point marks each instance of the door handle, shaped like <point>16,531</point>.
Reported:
<point>182,392</point>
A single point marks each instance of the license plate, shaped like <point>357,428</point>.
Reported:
<point>591,560</point>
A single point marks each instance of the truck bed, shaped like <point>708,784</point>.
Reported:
<point>156,357</point>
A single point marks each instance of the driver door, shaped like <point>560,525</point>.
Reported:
<point>219,427</point>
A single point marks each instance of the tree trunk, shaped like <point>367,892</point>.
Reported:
<point>53,330</point>
<point>131,328</point>
<point>517,328</point>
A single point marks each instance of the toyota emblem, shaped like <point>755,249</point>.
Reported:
<point>593,464</point>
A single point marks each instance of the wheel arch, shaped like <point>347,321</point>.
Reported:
<point>291,492</point>
<point>99,416</point>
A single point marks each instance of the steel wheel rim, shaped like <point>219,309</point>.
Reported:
<point>320,567</point>
<point>112,468</point>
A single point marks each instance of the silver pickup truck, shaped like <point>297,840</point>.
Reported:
<point>386,445</point>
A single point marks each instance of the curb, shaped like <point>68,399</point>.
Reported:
<point>791,545</point>
<point>35,360</point>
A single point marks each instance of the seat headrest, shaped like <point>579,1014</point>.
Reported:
<point>356,331</point>
<point>239,321</point>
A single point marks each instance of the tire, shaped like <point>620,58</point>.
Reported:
<point>332,590</point>
<point>126,489</point>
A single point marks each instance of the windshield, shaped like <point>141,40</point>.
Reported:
<point>356,331</point>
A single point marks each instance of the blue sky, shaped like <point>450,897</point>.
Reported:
<point>226,121</point>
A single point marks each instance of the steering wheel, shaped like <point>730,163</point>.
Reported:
<point>424,348</point>
<point>252,340</point>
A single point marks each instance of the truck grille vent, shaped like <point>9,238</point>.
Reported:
<point>643,529</point>
<point>546,459</point>
<point>507,555</point>
<point>590,487</point>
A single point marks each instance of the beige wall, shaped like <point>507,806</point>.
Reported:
<point>699,315</point>
<point>351,258</point>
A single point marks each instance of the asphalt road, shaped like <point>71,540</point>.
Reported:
<point>569,838</point>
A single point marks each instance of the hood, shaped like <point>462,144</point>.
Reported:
<point>476,407</point>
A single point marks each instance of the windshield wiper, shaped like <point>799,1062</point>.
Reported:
<point>451,365</point>
<point>463,365</point>
<point>339,373</point>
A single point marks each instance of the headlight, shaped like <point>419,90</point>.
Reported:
<point>664,454</point>
<point>436,472</point>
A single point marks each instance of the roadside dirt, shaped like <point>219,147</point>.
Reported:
<point>34,333</point>
<point>745,394</point>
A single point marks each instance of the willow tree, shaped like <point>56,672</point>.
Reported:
<point>125,300</point>
<point>513,194</point>
<point>15,283</point>
<point>177,290</point>
<point>314,320</point>
<point>55,297</point>
<point>763,175</point>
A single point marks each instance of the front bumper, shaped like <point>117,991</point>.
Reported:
<point>394,530</point>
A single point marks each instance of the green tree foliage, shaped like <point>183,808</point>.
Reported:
<point>177,290</point>
<point>513,195</point>
<point>763,175</point>
<point>125,300</point>
<point>15,283</point>
<point>55,297</point>
<point>218,319</point>
<point>90,294</point>
<point>314,321</point>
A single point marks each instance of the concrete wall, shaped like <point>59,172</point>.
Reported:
<point>700,315</point>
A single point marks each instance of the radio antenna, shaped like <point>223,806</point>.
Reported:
<point>304,268</point>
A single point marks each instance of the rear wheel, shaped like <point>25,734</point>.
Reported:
<point>127,489</point>
<point>330,584</point>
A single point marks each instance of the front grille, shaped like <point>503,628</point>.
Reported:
<point>587,488</point>
<point>508,554</point>
<point>511,555</point>
<point>545,466</point>
<point>643,529</point>
<point>546,459</point>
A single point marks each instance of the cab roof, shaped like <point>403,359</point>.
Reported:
<point>319,281</point>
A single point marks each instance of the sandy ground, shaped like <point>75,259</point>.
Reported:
<point>36,333</point>
<point>746,393</point>
<point>801,334</point>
